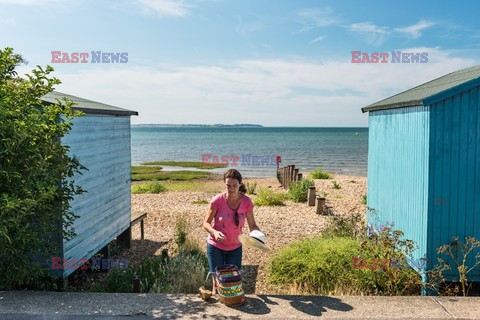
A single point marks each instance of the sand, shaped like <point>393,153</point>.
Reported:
<point>281,224</point>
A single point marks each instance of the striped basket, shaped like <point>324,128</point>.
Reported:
<point>229,287</point>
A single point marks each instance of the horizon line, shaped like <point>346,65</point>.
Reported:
<point>246,124</point>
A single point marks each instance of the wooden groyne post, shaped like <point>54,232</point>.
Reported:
<point>311,196</point>
<point>320,205</point>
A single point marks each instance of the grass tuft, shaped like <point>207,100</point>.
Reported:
<point>200,201</point>
<point>298,192</point>
<point>173,175</point>
<point>267,197</point>
<point>320,173</point>
<point>186,164</point>
<point>153,187</point>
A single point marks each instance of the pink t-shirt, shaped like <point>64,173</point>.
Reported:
<point>225,223</point>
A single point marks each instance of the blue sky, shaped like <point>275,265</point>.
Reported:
<point>275,63</point>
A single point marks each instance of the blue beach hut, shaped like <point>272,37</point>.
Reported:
<point>424,163</point>
<point>101,142</point>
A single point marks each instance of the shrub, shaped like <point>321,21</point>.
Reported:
<point>351,226</point>
<point>463,258</point>
<point>319,173</point>
<point>336,185</point>
<point>36,175</point>
<point>152,273</point>
<point>324,266</point>
<point>184,273</point>
<point>118,280</point>
<point>315,265</point>
<point>187,272</point>
<point>267,197</point>
<point>153,187</point>
<point>251,187</point>
<point>181,230</point>
<point>298,192</point>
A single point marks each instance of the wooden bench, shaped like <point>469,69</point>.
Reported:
<point>125,238</point>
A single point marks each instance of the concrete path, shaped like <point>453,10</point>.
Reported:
<point>79,305</point>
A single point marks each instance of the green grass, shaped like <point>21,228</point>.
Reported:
<point>364,199</point>
<point>267,197</point>
<point>146,169</point>
<point>153,187</point>
<point>336,185</point>
<point>324,266</point>
<point>187,164</point>
<point>319,173</point>
<point>251,187</point>
<point>200,202</point>
<point>183,273</point>
<point>173,175</point>
<point>190,186</point>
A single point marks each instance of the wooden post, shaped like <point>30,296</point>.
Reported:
<point>125,238</point>
<point>292,171</point>
<point>299,176</point>
<point>136,284</point>
<point>285,182</point>
<point>289,175</point>
<point>105,252</point>
<point>320,204</point>
<point>281,176</point>
<point>311,196</point>
<point>141,229</point>
<point>295,174</point>
<point>165,255</point>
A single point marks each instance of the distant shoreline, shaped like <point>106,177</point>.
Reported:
<point>163,125</point>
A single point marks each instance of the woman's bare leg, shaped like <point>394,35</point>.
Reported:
<point>214,286</point>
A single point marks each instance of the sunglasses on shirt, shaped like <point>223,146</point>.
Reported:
<point>235,219</point>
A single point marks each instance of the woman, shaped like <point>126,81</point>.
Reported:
<point>229,210</point>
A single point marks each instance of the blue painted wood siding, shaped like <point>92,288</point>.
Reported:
<point>102,144</point>
<point>454,199</point>
<point>398,171</point>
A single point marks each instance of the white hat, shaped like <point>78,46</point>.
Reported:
<point>256,239</point>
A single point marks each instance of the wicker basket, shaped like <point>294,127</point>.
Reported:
<point>229,285</point>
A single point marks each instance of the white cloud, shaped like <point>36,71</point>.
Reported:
<point>415,31</point>
<point>374,34</point>
<point>269,92</point>
<point>10,21</point>
<point>244,29</point>
<point>317,17</point>
<point>175,8</point>
<point>317,39</point>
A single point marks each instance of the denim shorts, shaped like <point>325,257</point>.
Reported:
<point>217,257</point>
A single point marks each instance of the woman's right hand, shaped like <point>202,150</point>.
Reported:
<point>218,236</point>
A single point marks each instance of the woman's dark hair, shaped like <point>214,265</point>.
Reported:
<point>235,174</point>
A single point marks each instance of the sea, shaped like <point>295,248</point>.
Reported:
<point>337,150</point>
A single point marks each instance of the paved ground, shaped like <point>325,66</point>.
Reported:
<point>77,305</point>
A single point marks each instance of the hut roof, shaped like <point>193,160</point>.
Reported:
<point>89,106</point>
<point>431,91</point>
